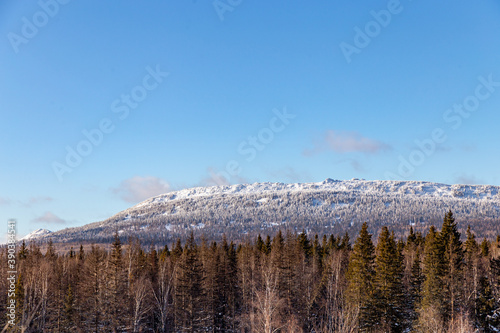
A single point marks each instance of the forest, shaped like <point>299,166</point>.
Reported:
<point>437,281</point>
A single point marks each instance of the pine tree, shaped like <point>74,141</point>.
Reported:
<point>471,271</point>
<point>485,305</point>
<point>19,296</point>
<point>388,284</point>
<point>485,248</point>
<point>23,251</point>
<point>412,238</point>
<point>94,289</point>
<point>345,243</point>
<point>432,289</point>
<point>305,244</point>
<point>415,290</point>
<point>259,244</point>
<point>81,253</point>
<point>190,295</point>
<point>493,319</point>
<point>453,255</point>
<point>360,275</point>
<point>117,285</point>
<point>267,245</point>
<point>51,252</point>
<point>69,303</point>
<point>177,250</point>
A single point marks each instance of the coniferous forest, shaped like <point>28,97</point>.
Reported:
<point>441,281</point>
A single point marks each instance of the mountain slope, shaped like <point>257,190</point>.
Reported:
<point>36,234</point>
<point>330,206</point>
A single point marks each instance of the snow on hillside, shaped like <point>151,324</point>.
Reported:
<point>328,206</point>
<point>422,189</point>
<point>37,233</point>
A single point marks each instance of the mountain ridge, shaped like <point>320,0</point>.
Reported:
<point>331,206</point>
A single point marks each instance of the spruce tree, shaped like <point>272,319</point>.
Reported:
<point>117,285</point>
<point>69,303</point>
<point>389,296</point>
<point>453,255</point>
<point>471,271</point>
<point>305,244</point>
<point>345,243</point>
<point>360,275</point>
<point>485,248</point>
<point>190,295</point>
<point>415,290</point>
<point>433,268</point>
<point>259,244</point>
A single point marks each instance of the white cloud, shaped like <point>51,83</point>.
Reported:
<point>49,218</point>
<point>4,201</point>
<point>347,142</point>
<point>138,188</point>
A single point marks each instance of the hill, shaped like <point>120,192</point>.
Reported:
<point>331,206</point>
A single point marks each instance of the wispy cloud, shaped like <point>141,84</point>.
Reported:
<point>217,178</point>
<point>346,142</point>
<point>4,201</point>
<point>37,200</point>
<point>138,188</point>
<point>49,218</point>
<point>468,180</point>
<point>468,148</point>
<point>290,174</point>
<point>354,163</point>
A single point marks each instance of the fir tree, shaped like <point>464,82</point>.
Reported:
<point>23,251</point>
<point>345,243</point>
<point>412,238</point>
<point>453,255</point>
<point>117,284</point>
<point>432,289</point>
<point>69,302</point>
<point>267,245</point>
<point>471,273</point>
<point>190,295</point>
<point>360,275</point>
<point>81,253</point>
<point>305,244</point>
<point>177,251</point>
<point>388,284</point>
<point>415,292</point>
<point>485,248</point>
<point>259,245</point>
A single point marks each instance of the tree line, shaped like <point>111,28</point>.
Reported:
<point>286,283</point>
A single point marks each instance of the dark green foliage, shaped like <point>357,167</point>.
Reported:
<point>345,244</point>
<point>433,271</point>
<point>293,282</point>
<point>388,293</point>
<point>414,296</point>
<point>69,312</point>
<point>360,275</point>
<point>453,256</point>
<point>485,248</point>
<point>190,295</point>
<point>305,244</point>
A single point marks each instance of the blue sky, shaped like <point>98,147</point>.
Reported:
<point>104,104</point>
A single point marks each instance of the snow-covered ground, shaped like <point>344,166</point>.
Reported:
<point>342,204</point>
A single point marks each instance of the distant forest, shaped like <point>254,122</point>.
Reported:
<point>286,282</point>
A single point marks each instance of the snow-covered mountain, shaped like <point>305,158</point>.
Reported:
<point>37,233</point>
<point>331,206</point>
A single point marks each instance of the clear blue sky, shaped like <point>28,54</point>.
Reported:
<point>291,91</point>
